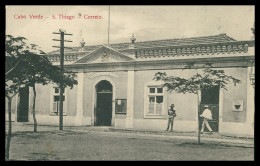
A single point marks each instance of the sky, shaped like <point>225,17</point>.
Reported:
<point>146,22</point>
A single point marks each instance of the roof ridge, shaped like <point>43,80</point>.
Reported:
<point>204,39</point>
<point>167,39</point>
<point>182,38</point>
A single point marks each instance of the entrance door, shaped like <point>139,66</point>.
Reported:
<point>23,105</point>
<point>104,104</point>
<point>210,97</point>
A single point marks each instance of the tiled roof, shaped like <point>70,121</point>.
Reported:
<point>159,43</point>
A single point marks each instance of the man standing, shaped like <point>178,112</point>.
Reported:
<point>207,116</point>
<point>171,115</point>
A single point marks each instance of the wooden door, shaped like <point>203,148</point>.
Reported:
<point>23,105</point>
<point>104,109</point>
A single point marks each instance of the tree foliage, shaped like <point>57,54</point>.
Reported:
<point>26,65</point>
<point>209,78</point>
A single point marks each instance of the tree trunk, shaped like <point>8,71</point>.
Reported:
<point>198,118</point>
<point>9,135</point>
<point>34,117</point>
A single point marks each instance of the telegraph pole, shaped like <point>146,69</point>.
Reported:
<point>108,26</point>
<point>61,98</point>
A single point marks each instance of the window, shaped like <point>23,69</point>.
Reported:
<point>152,90</point>
<point>56,101</point>
<point>155,99</point>
<point>56,90</point>
<point>57,98</point>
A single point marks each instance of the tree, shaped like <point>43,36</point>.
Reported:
<point>41,71</point>
<point>13,77</point>
<point>207,79</point>
<point>25,67</point>
<point>10,92</point>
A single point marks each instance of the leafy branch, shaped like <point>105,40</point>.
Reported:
<point>209,78</point>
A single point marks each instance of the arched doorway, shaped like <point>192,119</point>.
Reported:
<point>103,111</point>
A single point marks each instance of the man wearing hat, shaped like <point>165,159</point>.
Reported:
<point>171,115</point>
<point>207,116</point>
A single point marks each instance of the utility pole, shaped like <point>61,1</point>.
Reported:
<point>61,98</point>
<point>108,26</point>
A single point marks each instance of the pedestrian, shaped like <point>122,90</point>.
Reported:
<point>207,115</point>
<point>171,115</point>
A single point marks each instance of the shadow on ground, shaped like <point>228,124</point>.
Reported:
<point>210,145</point>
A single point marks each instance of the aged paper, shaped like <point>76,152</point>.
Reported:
<point>202,56</point>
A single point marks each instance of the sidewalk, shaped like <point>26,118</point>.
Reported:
<point>215,137</point>
<point>186,133</point>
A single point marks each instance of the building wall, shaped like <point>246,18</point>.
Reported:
<point>186,104</point>
<point>236,122</point>
<point>42,103</point>
<point>88,96</point>
<point>13,108</point>
<point>72,100</point>
<point>238,92</point>
<point>90,81</point>
<point>13,105</point>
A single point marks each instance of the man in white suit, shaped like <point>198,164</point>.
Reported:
<point>207,116</point>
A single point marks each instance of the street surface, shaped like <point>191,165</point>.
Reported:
<point>96,145</point>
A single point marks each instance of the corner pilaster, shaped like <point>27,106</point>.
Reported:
<point>80,93</point>
<point>130,100</point>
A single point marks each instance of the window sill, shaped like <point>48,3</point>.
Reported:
<point>55,114</point>
<point>121,113</point>
<point>154,117</point>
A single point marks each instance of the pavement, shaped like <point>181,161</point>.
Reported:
<point>205,137</point>
<point>100,143</point>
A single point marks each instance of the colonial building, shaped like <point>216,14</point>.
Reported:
<point>116,87</point>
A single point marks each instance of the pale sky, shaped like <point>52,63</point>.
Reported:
<point>146,22</point>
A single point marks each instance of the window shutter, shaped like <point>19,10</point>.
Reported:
<point>55,107</point>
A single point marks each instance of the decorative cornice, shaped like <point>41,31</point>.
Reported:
<point>201,49</point>
<point>218,62</point>
<point>56,58</point>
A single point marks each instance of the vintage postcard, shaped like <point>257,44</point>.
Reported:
<point>130,83</point>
